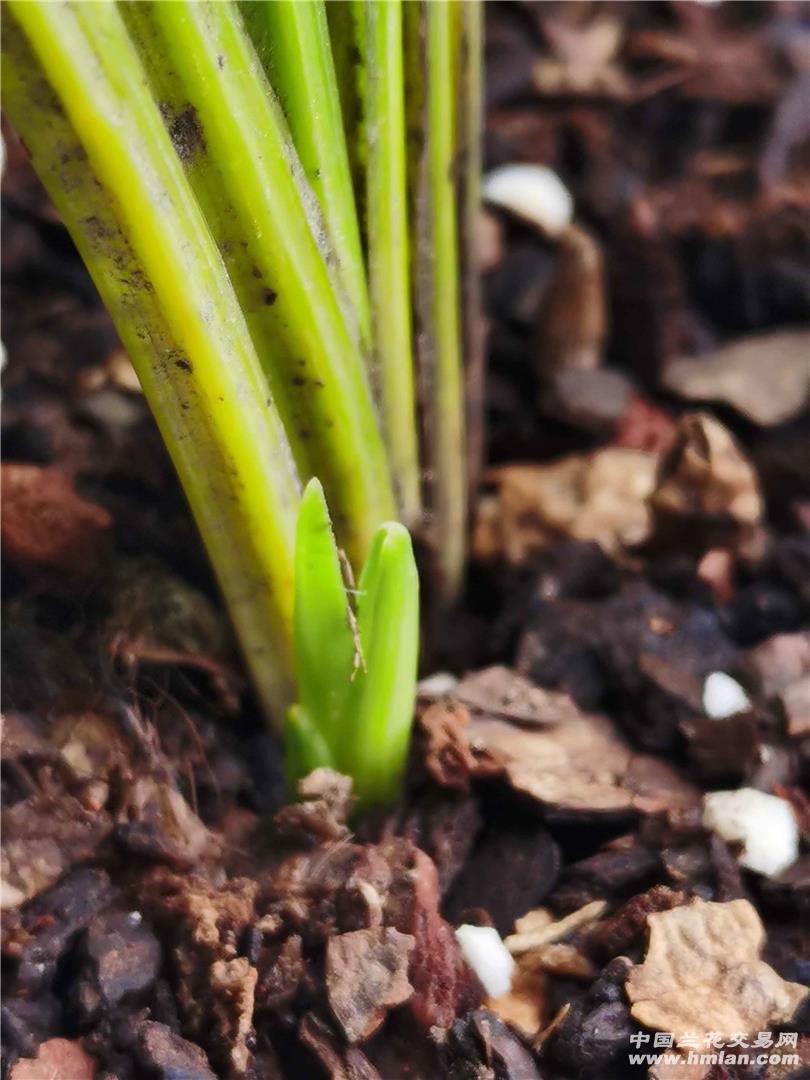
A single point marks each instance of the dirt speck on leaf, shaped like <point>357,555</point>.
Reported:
<point>186,133</point>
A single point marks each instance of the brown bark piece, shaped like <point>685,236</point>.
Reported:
<point>367,974</point>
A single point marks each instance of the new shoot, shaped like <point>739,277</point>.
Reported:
<point>356,655</point>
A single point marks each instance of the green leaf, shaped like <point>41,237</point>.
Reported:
<point>305,748</point>
<point>75,89</point>
<point>433,32</point>
<point>324,644</point>
<point>249,181</point>
<point>388,247</point>
<point>381,699</point>
<point>292,42</point>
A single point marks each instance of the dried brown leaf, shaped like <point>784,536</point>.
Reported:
<point>706,493</point>
<point>600,497</point>
<point>702,972</point>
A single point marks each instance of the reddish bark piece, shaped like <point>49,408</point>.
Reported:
<point>441,981</point>
<point>449,758</point>
<point>644,427</point>
<point>367,974</point>
<point>619,933</point>
<point>57,1059</point>
<point>500,691</point>
<point>46,526</point>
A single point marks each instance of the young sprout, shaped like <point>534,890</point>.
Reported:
<point>266,195</point>
<point>356,655</point>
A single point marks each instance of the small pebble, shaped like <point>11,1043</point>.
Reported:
<point>533,193</point>
<point>723,696</point>
<point>485,952</point>
<point>438,684</point>
<point>764,824</point>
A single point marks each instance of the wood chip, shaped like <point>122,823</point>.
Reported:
<point>533,920</point>
<point>548,1031</point>
<point>544,935</point>
<point>366,974</point>
<point>525,1005</point>
<point>766,377</point>
<point>707,492</point>
<point>580,766</point>
<point>500,692</point>
<point>563,960</point>
<point>44,836</point>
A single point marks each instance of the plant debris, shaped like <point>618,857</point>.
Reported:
<point>537,930</point>
<point>703,972</point>
<point>42,838</point>
<point>581,765</point>
<point>706,492</point>
<point>766,377</point>
<point>367,974</point>
<point>600,497</point>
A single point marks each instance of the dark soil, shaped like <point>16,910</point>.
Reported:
<point>165,914</point>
